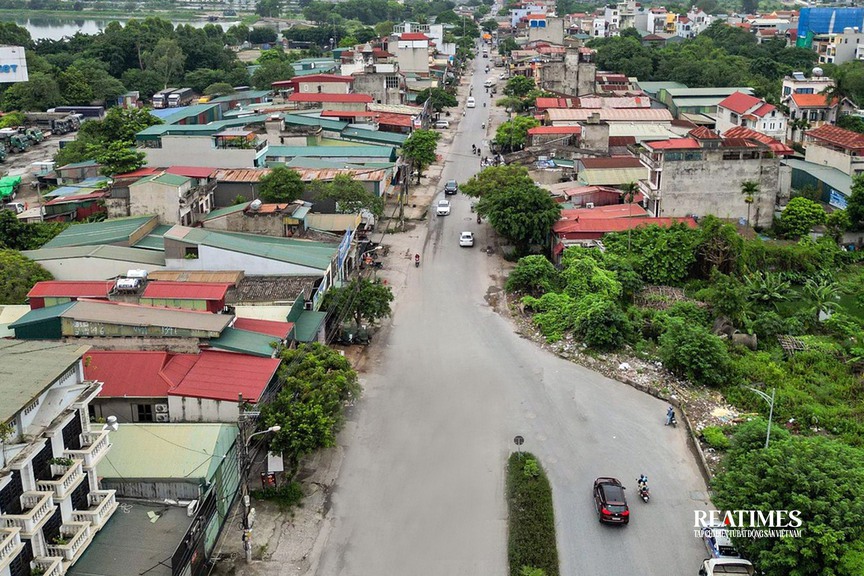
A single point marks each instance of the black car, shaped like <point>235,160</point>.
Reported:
<point>610,502</point>
<point>451,188</point>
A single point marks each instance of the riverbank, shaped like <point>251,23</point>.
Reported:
<point>9,15</point>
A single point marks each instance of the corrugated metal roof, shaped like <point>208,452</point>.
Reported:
<point>42,314</point>
<point>327,174</point>
<point>605,225</point>
<point>225,276</point>
<point>306,120</point>
<point>223,375</point>
<point>185,290</point>
<point>187,452</point>
<point>703,92</point>
<point>374,136</point>
<point>613,162</point>
<point>245,342</point>
<point>119,313</point>
<point>325,97</point>
<point>29,367</point>
<point>612,176</point>
<point>333,222</point>
<point>226,211</point>
<point>611,114</point>
<point>396,109</point>
<point>71,289</point>
<point>128,373</point>
<point>831,176</point>
<point>240,175</point>
<point>307,325</point>
<point>118,253</point>
<point>331,152</point>
<point>271,328</point>
<point>112,231</point>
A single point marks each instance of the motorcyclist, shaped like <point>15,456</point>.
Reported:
<point>478,219</point>
<point>642,481</point>
<point>473,148</point>
<point>670,415</point>
<point>416,259</point>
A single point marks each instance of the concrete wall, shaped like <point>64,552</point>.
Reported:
<point>553,32</point>
<point>148,197</point>
<point>323,87</point>
<point>713,186</point>
<point>836,159</point>
<point>198,151</point>
<point>178,345</point>
<point>412,59</point>
<point>264,224</point>
<point>376,86</point>
<point>153,490</point>
<point>91,268</point>
<point>188,409</point>
<point>210,258</point>
<point>123,408</point>
<point>117,207</point>
<point>595,136</point>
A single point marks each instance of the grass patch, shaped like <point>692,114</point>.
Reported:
<point>531,541</point>
<point>286,495</point>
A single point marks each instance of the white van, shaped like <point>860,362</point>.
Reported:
<point>471,103</point>
<point>489,83</point>
<point>442,124</point>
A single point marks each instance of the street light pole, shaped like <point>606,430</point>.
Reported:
<point>243,456</point>
<point>770,400</point>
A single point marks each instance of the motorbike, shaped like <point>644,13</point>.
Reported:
<point>417,261</point>
<point>483,125</point>
<point>478,219</point>
<point>670,419</point>
<point>644,493</point>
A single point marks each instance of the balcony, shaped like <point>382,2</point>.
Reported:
<point>649,161</point>
<point>66,479</point>
<point>10,545</point>
<point>70,544</point>
<point>38,506</point>
<point>101,505</point>
<point>48,566</point>
<point>95,446</point>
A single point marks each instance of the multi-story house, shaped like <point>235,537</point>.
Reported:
<point>799,83</point>
<point>702,174</point>
<point>741,109</point>
<point>843,46</point>
<point>51,505</point>
<point>833,146</point>
<point>173,198</point>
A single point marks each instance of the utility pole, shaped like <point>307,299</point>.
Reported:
<point>243,457</point>
<point>404,194</point>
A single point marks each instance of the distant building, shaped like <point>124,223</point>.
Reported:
<point>833,146</point>
<point>741,109</point>
<point>843,47</point>
<point>412,52</point>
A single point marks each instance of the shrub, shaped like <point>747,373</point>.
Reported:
<point>554,314</point>
<point>583,275</point>
<point>286,495</point>
<point>843,326</point>
<point>531,540</point>
<point>602,324</point>
<point>533,275</point>
<point>693,352</point>
<point>689,311</point>
<point>800,216</point>
<point>768,325</point>
<point>715,438</point>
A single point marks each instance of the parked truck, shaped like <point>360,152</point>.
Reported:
<point>82,112</point>
<point>57,122</point>
<point>160,99</point>
<point>180,97</point>
<point>14,139</point>
<point>34,135</point>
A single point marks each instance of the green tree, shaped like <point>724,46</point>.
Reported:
<point>506,46</point>
<point>750,191</point>
<point>270,72</point>
<point>350,195</point>
<point>75,87</point>
<point>800,216</point>
<point>602,324</point>
<point>439,98</point>
<point>122,124</point>
<point>496,178</point>
<point>118,157</point>
<point>281,185</point>
<point>489,25</point>
<point>41,92</point>
<point>533,275</point>
<point>166,60</point>
<point>718,247</point>
<point>12,119</point>
<point>691,351</point>
<point>513,134</point>
<point>519,86</point>
<point>836,223</point>
<point>18,274</point>
<point>384,28</point>
<point>262,35</point>
<point>219,89</point>
<point>855,203</point>
<point>850,122</point>
<point>420,149</point>
<point>524,214</point>
<point>201,78</point>
<point>360,300</point>
<point>822,478</point>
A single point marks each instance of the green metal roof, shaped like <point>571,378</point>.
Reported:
<point>119,253</point>
<point>170,179</point>
<point>654,87</point>
<point>325,123</point>
<point>307,325</point>
<point>187,112</point>
<point>154,240</point>
<point>388,152</point>
<point>321,163</point>
<point>111,231</point>
<point>316,255</point>
<point>41,314</point>
<point>167,451</point>
<point>156,132</point>
<point>33,366</point>
<point>839,181</point>
<point>374,136</point>
<point>704,92</point>
<point>225,211</point>
<point>246,342</point>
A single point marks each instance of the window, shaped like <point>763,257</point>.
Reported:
<point>191,253</point>
<point>392,81</point>
<point>144,412</point>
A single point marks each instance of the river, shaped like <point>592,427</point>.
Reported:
<point>56,28</point>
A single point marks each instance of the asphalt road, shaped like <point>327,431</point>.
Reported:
<point>421,491</point>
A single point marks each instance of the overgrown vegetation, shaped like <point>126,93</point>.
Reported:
<point>287,495</point>
<point>531,535</point>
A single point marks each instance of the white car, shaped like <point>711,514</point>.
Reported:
<point>471,102</point>
<point>503,77</point>
<point>443,208</point>
<point>466,239</point>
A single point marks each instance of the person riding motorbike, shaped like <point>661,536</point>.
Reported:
<point>642,481</point>
<point>473,148</point>
<point>670,416</point>
<point>416,260</point>
<point>478,219</point>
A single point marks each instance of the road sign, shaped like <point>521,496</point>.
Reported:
<point>518,440</point>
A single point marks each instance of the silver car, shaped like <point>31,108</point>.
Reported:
<point>466,239</point>
<point>443,208</point>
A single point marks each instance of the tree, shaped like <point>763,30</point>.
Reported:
<point>827,544</point>
<point>350,195</point>
<point>750,190</point>
<point>263,35</point>
<point>360,300</point>
<point>384,28</point>
<point>439,98</point>
<point>219,89</point>
<point>800,216</point>
<point>12,119</point>
<point>75,87</point>
<point>489,25</point>
<point>533,275</point>
<point>628,194</point>
<point>506,46</point>
<point>269,8</point>
<point>271,71</point>
<point>691,351</point>
<point>123,124</point>
<point>496,178</point>
<point>199,79</point>
<point>118,157</point>
<point>420,149</point>
<point>719,246</point>
<point>836,223</point>
<point>281,185</point>
<point>513,134</point>
<point>166,60</point>
<point>41,92</point>
<point>519,86</point>
<point>18,235</point>
<point>18,274</point>
<point>855,203</point>
<point>850,122</point>
<point>524,214</point>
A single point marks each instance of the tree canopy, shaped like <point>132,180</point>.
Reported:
<point>350,195</point>
<point>360,300</point>
<point>18,274</point>
<point>281,185</point>
<point>420,148</point>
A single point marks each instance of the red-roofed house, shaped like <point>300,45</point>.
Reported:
<point>186,295</point>
<point>813,109</point>
<point>703,173</point>
<point>561,135</point>
<point>741,109</point>
<point>273,328</point>
<point>833,146</point>
<point>157,386</point>
<point>739,132</point>
<point>53,292</point>
<point>330,101</point>
<point>593,196</point>
<point>315,84</point>
<point>543,104</point>
<point>412,52</point>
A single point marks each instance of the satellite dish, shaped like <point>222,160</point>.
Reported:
<point>818,72</point>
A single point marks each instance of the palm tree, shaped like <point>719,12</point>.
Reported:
<point>750,190</point>
<point>628,194</point>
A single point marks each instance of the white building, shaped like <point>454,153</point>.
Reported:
<point>51,505</point>
<point>844,47</point>
<point>741,109</point>
<point>798,83</point>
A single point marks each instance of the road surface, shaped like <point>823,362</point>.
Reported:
<point>421,491</point>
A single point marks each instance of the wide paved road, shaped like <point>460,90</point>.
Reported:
<point>421,492</point>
